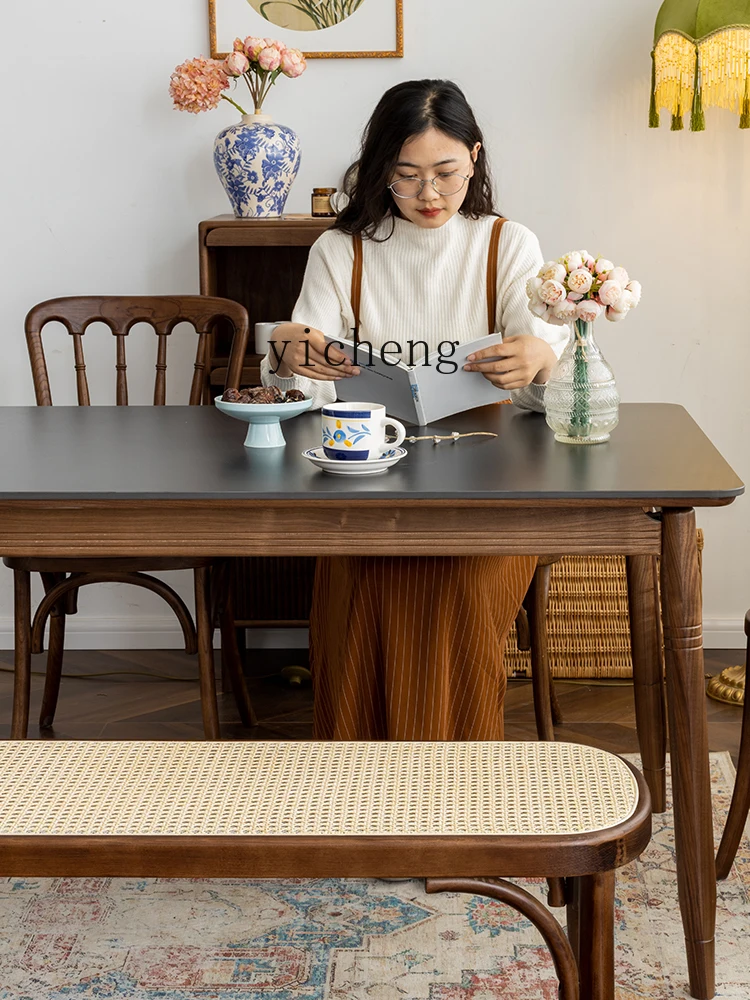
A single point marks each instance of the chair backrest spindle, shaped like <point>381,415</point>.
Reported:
<point>160,382</point>
<point>82,385</point>
<point>122,370</point>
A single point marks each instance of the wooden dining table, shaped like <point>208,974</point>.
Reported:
<point>177,481</point>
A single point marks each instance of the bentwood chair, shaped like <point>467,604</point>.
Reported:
<point>646,646</point>
<point>740,807</point>
<point>63,578</point>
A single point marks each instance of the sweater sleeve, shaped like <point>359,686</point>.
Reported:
<point>522,261</point>
<point>323,304</point>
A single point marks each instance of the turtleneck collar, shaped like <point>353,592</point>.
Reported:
<point>416,235</point>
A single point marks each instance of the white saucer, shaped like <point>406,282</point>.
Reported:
<point>372,467</point>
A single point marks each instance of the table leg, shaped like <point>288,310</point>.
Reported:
<point>688,741</point>
<point>648,677</point>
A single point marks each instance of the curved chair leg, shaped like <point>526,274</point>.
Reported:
<point>22,661</point>
<point>54,653</point>
<point>535,603</point>
<point>521,900</point>
<point>648,673</point>
<point>204,634</point>
<point>77,580</point>
<point>740,806</point>
<point>230,656</point>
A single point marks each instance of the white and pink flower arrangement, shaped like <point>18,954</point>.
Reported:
<point>199,84</point>
<point>581,287</point>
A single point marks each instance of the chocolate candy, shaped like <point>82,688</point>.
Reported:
<point>262,394</point>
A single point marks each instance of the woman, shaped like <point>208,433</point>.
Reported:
<point>415,649</point>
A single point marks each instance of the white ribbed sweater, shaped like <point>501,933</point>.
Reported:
<point>421,284</point>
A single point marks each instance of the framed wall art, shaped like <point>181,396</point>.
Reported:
<point>322,29</point>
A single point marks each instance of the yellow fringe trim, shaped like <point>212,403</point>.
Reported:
<point>674,59</point>
<point>725,67</point>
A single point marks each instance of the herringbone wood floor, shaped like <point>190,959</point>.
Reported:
<point>133,702</point>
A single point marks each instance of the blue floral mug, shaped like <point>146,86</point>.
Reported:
<point>355,432</point>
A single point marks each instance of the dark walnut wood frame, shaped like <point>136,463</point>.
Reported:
<point>225,528</point>
<point>63,578</point>
<point>586,863</point>
<point>740,807</point>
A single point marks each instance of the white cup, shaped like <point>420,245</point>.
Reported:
<point>355,432</point>
<point>264,334</point>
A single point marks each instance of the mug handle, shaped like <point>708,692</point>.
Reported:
<point>400,433</point>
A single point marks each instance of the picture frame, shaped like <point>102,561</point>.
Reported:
<point>373,30</point>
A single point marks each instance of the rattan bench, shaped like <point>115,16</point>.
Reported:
<point>462,815</point>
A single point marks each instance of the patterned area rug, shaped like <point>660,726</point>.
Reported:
<point>229,939</point>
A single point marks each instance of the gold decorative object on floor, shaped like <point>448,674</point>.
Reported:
<point>701,57</point>
<point>728,686</point>
<point>295,675</point>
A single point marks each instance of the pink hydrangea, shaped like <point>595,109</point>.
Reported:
<point>196,84</point>
<point>293,63</point>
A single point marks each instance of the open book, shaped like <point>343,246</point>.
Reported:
<point>433,388</point>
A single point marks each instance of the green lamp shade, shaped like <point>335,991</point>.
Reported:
<point>701,58</point>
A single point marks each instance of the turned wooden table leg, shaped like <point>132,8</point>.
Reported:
<point>688,742</point>
<point>648,678</point>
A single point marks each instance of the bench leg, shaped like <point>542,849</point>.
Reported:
<point>204,631</point>
<point>22,661</point>
<point>573,902</point>
<point>596,935</point>
<point>522,901</point>
<point>648,674</point>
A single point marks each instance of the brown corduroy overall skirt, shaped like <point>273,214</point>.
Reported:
<point>411,648</point>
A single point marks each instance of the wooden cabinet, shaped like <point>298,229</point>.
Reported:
<point>260,263</point>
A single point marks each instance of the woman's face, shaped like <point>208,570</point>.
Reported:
<point>430,155</point>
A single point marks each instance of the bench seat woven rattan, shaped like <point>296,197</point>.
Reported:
<point>460,814</point>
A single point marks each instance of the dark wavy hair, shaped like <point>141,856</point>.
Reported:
<point>404,112</point>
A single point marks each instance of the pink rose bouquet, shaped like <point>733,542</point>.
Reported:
<point>581,287</point>
<point>199,84</point>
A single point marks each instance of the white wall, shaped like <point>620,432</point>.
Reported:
<point>103,185</point>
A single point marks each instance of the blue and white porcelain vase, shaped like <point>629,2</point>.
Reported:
<point>257,161</point>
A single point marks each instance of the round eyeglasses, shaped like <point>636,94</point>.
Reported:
<point>444,184</point>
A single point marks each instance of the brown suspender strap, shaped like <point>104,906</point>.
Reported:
<point>356,280</point>
<point>356,293</point>
<point>492,274</point>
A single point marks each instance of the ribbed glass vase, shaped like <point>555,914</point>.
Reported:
<point>581,399</point>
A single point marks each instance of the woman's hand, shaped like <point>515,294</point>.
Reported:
<point>296,349</point>
<point>515,363</point>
